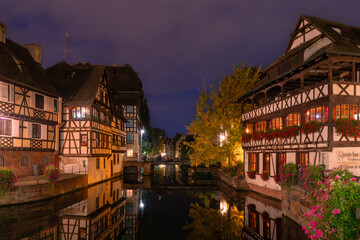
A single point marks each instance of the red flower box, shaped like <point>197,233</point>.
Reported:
<point>251,174</point>
<point>311,127</point>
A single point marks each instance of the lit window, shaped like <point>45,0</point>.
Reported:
<point>260,126</point>
<point>249,128</point>
<point>5,127</point>
<point>292,119</point>
<point>80,112</point>
<point>84,140</point>
<point>253,162</point>
<point>130,153</point>
<point>275,123</point>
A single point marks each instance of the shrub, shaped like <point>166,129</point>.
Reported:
<point>343,174</point>
<point>288,174</point>
<point>7,180</point>
<point>334,215</point>
<point>311,176</point>
<point>235,170</point>
<point>51,173</point>
<point>265,175</point>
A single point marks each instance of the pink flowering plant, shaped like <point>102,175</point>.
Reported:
<point>51,173</point>
<point>7,180</point>
<point>288,174</point>
<point>311,178</point>
<point>333,216</point>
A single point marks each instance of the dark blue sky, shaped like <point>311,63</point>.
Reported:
<point>176,46</point>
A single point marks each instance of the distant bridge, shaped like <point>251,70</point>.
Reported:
<point>171,163</point>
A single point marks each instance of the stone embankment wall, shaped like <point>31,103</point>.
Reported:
<point>294,203</point>
<point>37,192</point>
<point>236,182</point>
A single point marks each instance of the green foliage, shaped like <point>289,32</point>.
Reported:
<point>153,143</point>
<point>311,175</point>
<point>52,174</point>
<point>235,170</point>
<point>344,174</point>
<point>218,113</point>
<point>333,216</point>
<point>7,180</point>
<point>210,224</point>
<point>288,174</point>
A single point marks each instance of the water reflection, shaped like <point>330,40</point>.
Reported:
<point>170,205</point>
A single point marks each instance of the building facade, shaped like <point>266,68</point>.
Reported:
<point>30,109</point>
<point>92,133</point>
<point>127,91</point>
<point>301,95</point>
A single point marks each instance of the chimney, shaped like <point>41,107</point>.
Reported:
<point>35,51</point>
<point>2,33</point>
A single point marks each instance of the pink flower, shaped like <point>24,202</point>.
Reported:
<point>337,177</point>
<point>353,179</point>
<point>336,211</point>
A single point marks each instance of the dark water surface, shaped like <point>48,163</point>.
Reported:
<point>132,207</point>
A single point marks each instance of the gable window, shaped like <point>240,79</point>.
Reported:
<point>4,92</point>
<point>55,105</point>
<point>319,114</point>
<point>276,123</point>
<point>24,161</point>
<point>254,162</point>
<point>80,112</point>
<point>84,139</point>
<point>36,130</point>
<point>5,127</point>
<point>292,119</point>
<point>39,101</point>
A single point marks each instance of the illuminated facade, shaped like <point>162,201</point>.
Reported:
<point>314,83</point>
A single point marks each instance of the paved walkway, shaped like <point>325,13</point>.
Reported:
<point>33,180</point>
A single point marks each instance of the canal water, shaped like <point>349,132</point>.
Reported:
<point>169,205</point>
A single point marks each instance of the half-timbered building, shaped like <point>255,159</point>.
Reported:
<point>315,82</point>
<point>92,133</point>
<point>29,108</point>
<point>126,88</point>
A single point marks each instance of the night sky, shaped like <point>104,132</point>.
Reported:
<point>176,46</point>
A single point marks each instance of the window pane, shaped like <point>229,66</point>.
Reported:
<point>39,101</point>
<point>129,109</point>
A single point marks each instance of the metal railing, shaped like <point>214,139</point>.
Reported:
<point>73,169</point>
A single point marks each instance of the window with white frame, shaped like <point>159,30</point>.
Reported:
<point>4,91</point>
<point>5,127</point>
<point>36,130</point>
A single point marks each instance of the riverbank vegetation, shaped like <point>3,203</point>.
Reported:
<point>217,129</point>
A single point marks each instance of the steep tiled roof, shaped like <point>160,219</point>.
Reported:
<point>31,75</point>
<point>78,83</point>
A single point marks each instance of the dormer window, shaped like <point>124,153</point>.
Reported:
<point>80,112</point>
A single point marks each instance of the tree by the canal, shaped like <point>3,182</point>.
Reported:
<point>217,128</point>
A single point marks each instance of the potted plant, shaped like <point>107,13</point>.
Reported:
<point>347,127</point>
<point>265,175</point>
<point>251,174</point>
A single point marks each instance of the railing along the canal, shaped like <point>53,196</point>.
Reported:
<point>73,169</point>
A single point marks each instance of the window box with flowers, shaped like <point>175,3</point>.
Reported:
<point>265,175</point>
<point>245,138</point>
<point>277,178</point>
<point>311,127</point>
<point>258,136</point>
<point>251,174</point>
<point>272,134</point>
<point>288,132</point>
<point>347,127</point>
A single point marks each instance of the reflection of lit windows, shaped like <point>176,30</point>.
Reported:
<point>82,233</point>
<point>266,226</point>
<point>254,221</point>
<point>80,112</point>
<point>130,152</point>
<point>223,206</point>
